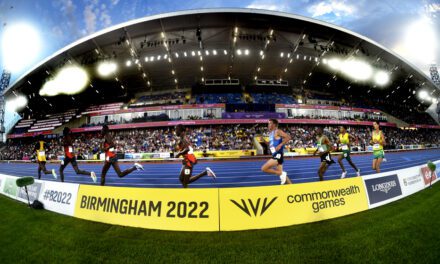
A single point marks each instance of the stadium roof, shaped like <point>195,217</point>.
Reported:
<point>244,44</point>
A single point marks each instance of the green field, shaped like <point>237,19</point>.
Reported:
<point>406,231</point>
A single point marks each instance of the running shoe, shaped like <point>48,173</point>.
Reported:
<point>93,175</point>
<point>210,173</point>
<point>138,166</point>
<point>343,174</point>
<point>54,174</point>
<point>358,173</point>
<point>283,177</point>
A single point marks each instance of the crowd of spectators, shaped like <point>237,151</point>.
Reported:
<point>194,117</point>
<point>164,117</point>
<point>160,99</point>
<point>218,137</point>
<point>380,118</point>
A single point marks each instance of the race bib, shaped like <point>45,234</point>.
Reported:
<point>41,153</point>
<point>321,149</point>
<point>376,146</point>
<point>191,151</point>
<point>112,150</point>
<point>344,147</point>
<point>107,158</point>
<point>70,150</point>
<point>327,157</point>
<point>272,149</point>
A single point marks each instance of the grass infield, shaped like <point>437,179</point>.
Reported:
<point>406,231</point>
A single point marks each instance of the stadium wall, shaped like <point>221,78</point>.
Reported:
<point>224,209</point>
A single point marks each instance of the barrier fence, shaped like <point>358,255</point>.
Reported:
<point>224,209</point>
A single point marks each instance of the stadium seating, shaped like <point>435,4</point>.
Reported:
<point>51,121</point>
<point>272,98</point>
<point>215,98</point>
<point>160,99</point>
<point>23,126</point>
<point>104,107</point>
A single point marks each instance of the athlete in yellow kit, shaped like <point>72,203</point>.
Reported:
<point>40,149</point>
<point>378,141</point>
<point>344,146</point>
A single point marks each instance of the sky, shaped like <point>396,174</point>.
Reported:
<point>397,24</point>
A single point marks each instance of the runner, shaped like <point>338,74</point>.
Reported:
<point>111,159</point>
<point>277,140</point>
<point>378,141</point>
<point>40,148</point>
<point>344,140</point>
<point>323,147</point>
<point>69,157</point>
<point>189,160</point>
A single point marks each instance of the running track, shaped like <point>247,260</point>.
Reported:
<point>229,173</point>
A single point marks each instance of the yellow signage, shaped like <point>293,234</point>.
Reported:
<point>226,153</point>
<point>275,206</point>
<point>166,209</point>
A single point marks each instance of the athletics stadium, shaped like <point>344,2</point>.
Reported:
<point>247,109</point>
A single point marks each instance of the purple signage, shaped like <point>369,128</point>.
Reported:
<point>241,115</point>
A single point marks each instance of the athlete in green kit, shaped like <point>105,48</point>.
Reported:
<point>323,147</point>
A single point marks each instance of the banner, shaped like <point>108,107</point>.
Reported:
<point>382,189</point>
<point>33,192</point>
<point>55,196</point>
<point>410,180</point>
<point>327,107</point>
<point>59,197</point>
<point>223,209</point>
<point>425,126</point>
<point>138,155</point>
<point>275,206</point>
<point>157,155</point>
<point>2,181</point>
<point>225,153</point>
<point>10,187</point>
<point>428,176</point>
<point>166,209</point>
<point>30,134</point>
<point>437,170</point>
<point>253,115</point>
<point>161,155</point>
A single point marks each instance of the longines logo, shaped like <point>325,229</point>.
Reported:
<point>384,187</point>
<point>254,205</point>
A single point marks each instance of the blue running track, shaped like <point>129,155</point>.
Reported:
<point>229,173</point>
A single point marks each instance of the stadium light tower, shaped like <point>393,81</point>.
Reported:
<point>4,83</point>
<point>436,79</point>
<point>434,74</point>
<point>16,55</point>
